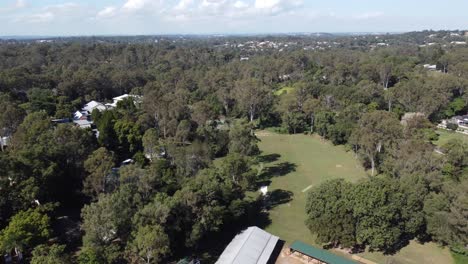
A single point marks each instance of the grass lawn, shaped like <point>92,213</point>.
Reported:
<point>460,259</point>
<point>446,135</point>
<point>305,161</point>
<point>285,89</point>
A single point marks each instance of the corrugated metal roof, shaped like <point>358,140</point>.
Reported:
<point>319,254</point>
<point>251,246</point>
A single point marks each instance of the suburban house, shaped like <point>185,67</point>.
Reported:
<point>89,107</point>
<point>256,246</point>
<point>430,67</point>
<point>82,119</point>
<point>120,98</point>
<point>460,120</point>
<point>4,141</point>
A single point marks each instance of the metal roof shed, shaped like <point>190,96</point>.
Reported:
<point>251,246</point>
<point>319,254</point>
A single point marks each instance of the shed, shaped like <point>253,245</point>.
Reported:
<point>318,254</point>
<point>251,246</point>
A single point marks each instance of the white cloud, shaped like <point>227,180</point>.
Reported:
<point>40,17</point>
<point>240,5</point>
<point>261,4</point>
<point>184,4</point>
<point>107,12</point>
<point>277,6</point>
<point>369,15</point>
<point>46,14</point>
<point>15,6</point>
<point>20,4</point>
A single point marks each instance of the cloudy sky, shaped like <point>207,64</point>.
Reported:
<point>122,17</point>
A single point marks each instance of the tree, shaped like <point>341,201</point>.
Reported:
<point>376,131</point>
<point>151,144</point>
<point>329,214</point>
<point>99,165</point>
<point>202,112</point>
<point>129,137</point>
<point>10,117</point>
<point>150,243</point>
<point>385,73</point>
<point>106,222</point>
<point>41,99</point>
<point>376,207</point>
<point>252,97</point>
<point>54,254</point>
<point>242,140</point>
<point>311,107</point>
<point>26,230</point>
<point>183,131</point>
<point>324,120</point>
<point>238,168</point>
<point>456,152</point>
<point>105,123</point>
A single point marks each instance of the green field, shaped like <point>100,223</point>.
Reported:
<point>305,161</point>
<point>284,90</point>
<point>446,135</point>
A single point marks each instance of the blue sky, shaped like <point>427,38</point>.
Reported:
<point>122,17</point>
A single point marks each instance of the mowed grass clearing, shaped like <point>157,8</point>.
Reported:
<point>316,161</point>
<point>446,135</point>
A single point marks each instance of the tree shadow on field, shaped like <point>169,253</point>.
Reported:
<point>278,170</point>
<point>268,158</point>
<point>278,197</point>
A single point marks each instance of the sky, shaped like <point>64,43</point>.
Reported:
<point>146,17</point>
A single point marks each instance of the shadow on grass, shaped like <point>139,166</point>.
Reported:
<point>278,170</point>
<point>278,197</point>
<point>268,158</point>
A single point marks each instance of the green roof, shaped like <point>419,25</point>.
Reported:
<point>319,254</point>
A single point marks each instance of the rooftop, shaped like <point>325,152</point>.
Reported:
<point>319,254</point>
<point>251,246</point>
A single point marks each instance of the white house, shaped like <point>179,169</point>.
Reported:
<point>83,123</point>
<point>460,120</point>
<point>4,141</point>
<point>430,67</point>
<point>89,107</point>
<point>121,98</point>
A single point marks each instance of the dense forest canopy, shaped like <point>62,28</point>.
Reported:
<point>70,194</point>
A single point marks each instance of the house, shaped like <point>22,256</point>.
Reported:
<point>251,246</point>
<point>244,58</point>
<point>430,67</point>
<point>83,123</point>
<point>460,120</point>
<point>4,141</point>
<point>89,107</point>
<point>120,98</point>
<point>83,119</point>
<point>458,42</point>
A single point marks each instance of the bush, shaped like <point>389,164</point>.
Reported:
<point>452,126</point>
<point>279,130</point>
